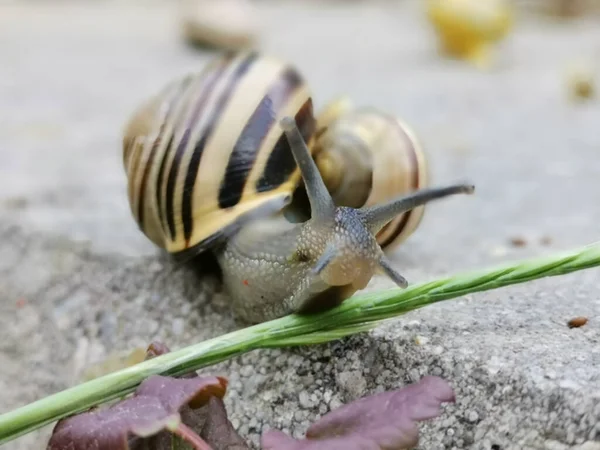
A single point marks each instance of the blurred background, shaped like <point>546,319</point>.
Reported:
<point>501,93</point>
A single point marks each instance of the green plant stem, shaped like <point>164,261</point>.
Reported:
<point>359,313</point>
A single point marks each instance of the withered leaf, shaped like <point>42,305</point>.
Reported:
<point>210,421</point>
<point>385,421</point>
<point>155,406</point>
<point>218,430</point>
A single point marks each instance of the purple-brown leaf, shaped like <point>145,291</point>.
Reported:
<point>218,430</point>
<point>385,421</point>
<point>154,407</point>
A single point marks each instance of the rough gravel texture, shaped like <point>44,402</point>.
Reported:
<point>78,281</point>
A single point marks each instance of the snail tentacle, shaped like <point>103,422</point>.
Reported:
<point>321,203</point>
<point>325,259</point>
<point>379,215</point>
<point>392,273</point>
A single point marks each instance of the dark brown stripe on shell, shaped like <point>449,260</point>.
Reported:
<point>142,191</point>
<point>155,145</point>
<point>415,184</point>
<point>184,85</point>
<point>281,163</point>
<point>203,96</point>
<point>159,182</point>
<point>244,153</point>
<point>192,172</point>
<point>132,168</point>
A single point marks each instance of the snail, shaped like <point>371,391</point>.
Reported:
<point>298,210</point>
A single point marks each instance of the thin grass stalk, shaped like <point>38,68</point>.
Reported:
<point>357,314</point>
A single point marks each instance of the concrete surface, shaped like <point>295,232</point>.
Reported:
<point>77,280</point>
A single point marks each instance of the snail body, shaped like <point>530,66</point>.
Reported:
<point>297,209</point>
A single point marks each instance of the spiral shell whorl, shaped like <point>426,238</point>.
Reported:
<point>367,157</point>
<point>207,150</point>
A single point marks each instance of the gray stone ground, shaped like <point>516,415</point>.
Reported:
<point>78,281</point>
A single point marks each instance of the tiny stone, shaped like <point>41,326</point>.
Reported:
<point>421,340</point>
<point>178,326</point>
<point>577,322</point>
<point>473,416</point>
<point>581,82</point>
<point>353,383</point>
<point>335,403</point>
<point>300,415</point>
<point>304,400</point>
<point>518,241</point>
<point>246,371</point>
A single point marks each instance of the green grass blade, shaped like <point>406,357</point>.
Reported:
<point>359,313</point>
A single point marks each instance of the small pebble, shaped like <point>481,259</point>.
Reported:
<point>473,416</point>
<point>518,241</point>
<point>421,340</point>
<point>581,82</point>
<point>304,400</point>
<point>577,322</point>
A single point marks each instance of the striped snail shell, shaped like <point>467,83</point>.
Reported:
<point>297,209</point>
<point>206,153</point>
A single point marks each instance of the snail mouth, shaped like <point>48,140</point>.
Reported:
<point>355,272</point>
<point>327,299</point>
